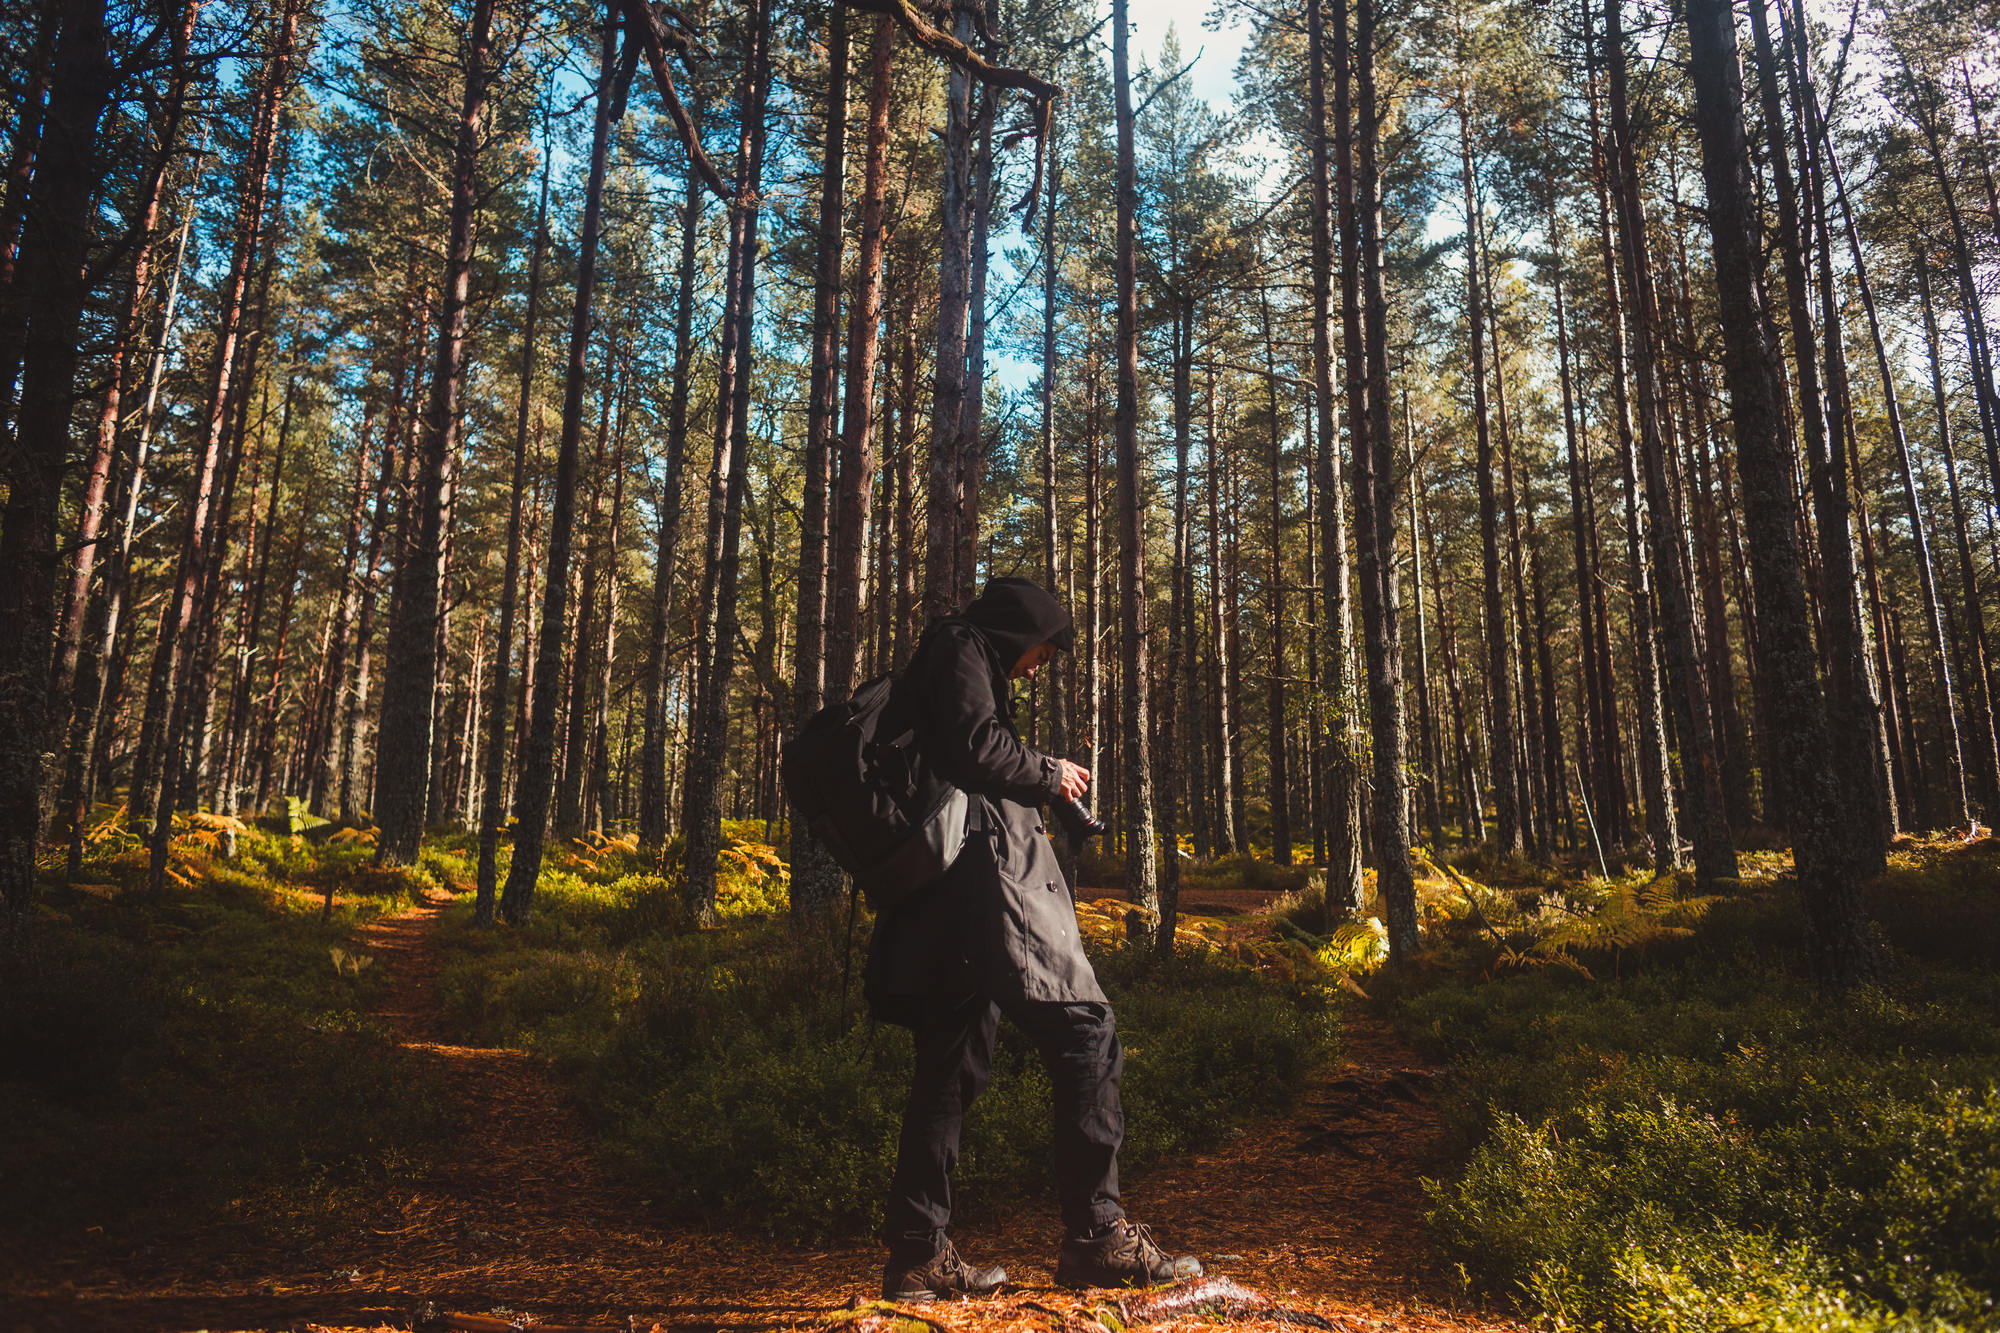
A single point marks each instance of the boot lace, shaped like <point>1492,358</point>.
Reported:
<point>951,1266</point>
<point>1138,1242</point>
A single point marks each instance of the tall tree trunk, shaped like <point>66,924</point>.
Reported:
<point>353,725</point>
<point>1375,525</point>
<point>1987,741</point>
<point>1823,839</point>
<point>815,878</point>
<point>410,673</point>
<point>570,783</point>
<point>322,759</point>
<point>267,732</point>
<point>18,182</point>
<point>1429,756</point>
<point>1851,707</point>
<point>598,774</point>
<point>653,795</point>
<point>815,875</point>
<point>864,340</point>
<point>1056,735</point>
<point>90,526</point>
<point>906,602</point>
<point>172,699</point>
<point>492,807</point>
<point>1920,541</point>
<point>1345,888</point>
<point>1499,685</point>
<point>1529,787</point>
<point>1592,722</point>
<point>702,813</point>
<point>1656,788</point>
<point>972,431</point>
<point>1714,852</point>
<point>1221,633</point>
<point>1274,683</point>
<point>1472,818</point>
<point>51,299</point>
<point>93,672</point>
<point>531,806</point>
<point>1142,884</point>
<point>1172,703</point>
<point>257,558</point>
<point>1925,98</point>
<point>944,505</point>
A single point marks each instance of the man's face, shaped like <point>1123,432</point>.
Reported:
<point>1032,659</point>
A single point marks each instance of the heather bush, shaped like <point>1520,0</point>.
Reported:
<point>1698,1140</point>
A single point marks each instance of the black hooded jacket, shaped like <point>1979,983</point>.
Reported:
<point>1001,922</point>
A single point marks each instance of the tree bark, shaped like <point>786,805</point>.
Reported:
<point>1179,645</point>
<point>410,673</point>
<point>1920,541</point>
<point>577,708</point>
<point>1345,888</point>
<point>1274,683</point>
<point>492,806</point>
<point>1850,711</point>
<point>1222,634</point>
<point>171,701</point>
<point>1714,852</point>
<point>1828,866</point>
<point>1499,684</point>
<point>1987,741</point>
<point>90,674</point>
<point>1062,669</point>
<point>815,878</point>
<point>97,471</point>
<point>703,815</point>
<point>972,434</point>
<point>18,184</point>
<point>51,297</point>
<point>531,809</point>
<point>1656,788</point>
<point>1375,526</point>
<point>1142,884</point>
<point>944,507</point>
<point>653,794</point>
<point>1429,751</point>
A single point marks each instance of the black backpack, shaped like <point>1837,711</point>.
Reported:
<point>857,776</point>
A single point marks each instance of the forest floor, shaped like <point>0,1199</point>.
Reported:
<point>517,1219</point>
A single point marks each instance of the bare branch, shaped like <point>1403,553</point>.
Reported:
<point>656,37</point>
<point>910,15</point>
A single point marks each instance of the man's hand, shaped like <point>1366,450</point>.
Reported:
<point>1075,779</point>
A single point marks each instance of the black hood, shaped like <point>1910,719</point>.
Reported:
<point>1014,615</point>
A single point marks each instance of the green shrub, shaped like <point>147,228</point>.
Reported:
<point>1704,1142</point>
<point>172,1058</point>
<point>733,1065</point>
<point>1244,872</point>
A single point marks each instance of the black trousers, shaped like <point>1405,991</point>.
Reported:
<point>1079,1047</point>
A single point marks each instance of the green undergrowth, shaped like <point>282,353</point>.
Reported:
<point>1666,1127</point>
<point>735,1068</point>
<point>168,1061</point>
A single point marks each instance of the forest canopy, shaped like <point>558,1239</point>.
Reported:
<point>1567,428</point>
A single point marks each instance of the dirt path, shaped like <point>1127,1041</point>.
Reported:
<point>1320,1209</point>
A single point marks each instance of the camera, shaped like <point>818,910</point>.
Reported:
<point>1078,822</point>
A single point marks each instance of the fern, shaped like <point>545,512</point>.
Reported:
<point>1600,918</point>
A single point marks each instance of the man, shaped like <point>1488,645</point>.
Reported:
<point>998,935</point>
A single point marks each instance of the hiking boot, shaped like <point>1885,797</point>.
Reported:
<point>1120,1254</point>
<point>942,1274</point>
